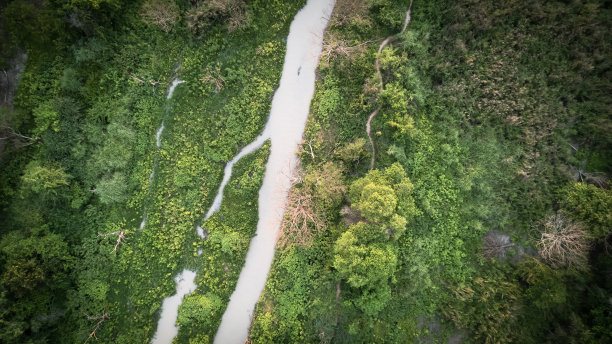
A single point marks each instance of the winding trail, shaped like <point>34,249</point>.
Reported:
<point>382,84</point>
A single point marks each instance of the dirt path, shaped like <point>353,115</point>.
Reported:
<point>382,84</point>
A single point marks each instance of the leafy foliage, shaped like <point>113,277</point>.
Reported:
<point>592,205</point>
<point>491,114</point>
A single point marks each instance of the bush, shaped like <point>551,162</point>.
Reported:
<point>487,306</point>
<point>592,205</point>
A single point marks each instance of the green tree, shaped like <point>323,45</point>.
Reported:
<point>546,287</point>
<point>197,307</point>
<point>44,180</point>
<point>70,81</point>
<point>385,198</point>
<point>46,117</point>
<point>351,153</point>
<point>377,202</point>
<point>112,188</point>
<point>117,150</point>
<point>488,306</point>
<point>327,182</point>
<point>34,260</point>
<point>366,264</point>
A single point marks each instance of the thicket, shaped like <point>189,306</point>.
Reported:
<point>489,109</point>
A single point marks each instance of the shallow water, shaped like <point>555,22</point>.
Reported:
<point>158,135</point>
<point>285,127</point>
<point>173,85</point>
<point>248,149</point>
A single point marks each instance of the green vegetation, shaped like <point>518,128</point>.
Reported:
<point>486,216</point>
<point>94,92</point>
<point>492,120</point>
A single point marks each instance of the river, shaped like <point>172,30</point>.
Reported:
<point>285,127</point>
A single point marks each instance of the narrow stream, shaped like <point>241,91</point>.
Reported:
<point>248,149</point>
<point>158,135</point>
<point>166,328</point>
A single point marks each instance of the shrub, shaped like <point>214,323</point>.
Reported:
<point>591,205</point>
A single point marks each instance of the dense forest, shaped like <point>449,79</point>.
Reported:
<point>453,186</point>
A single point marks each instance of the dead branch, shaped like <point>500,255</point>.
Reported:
<point>100,319</point>
<point>494,246</point>
<point>163,14</point>
<point>563,243</point>
<point>138,79</point>
<point>302,219</point>
<point>19,140</point>
<point>309,143</point>
<point>120,236</point>
<point>215,78</point>
<point>335,47</point>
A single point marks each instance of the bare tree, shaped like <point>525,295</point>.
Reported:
<point>120,236</point>
<point>580,174</point>
<point>303,149</point>
<point>204,13</point>
<point>213,76</point>
<point>563,243</point>
<point>352,12</point>
<point>302,219</point>
<point>334,47</point>
<point>100,319</point>
<point>495,245</point>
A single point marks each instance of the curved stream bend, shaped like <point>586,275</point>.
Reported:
<point>285,126</point>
